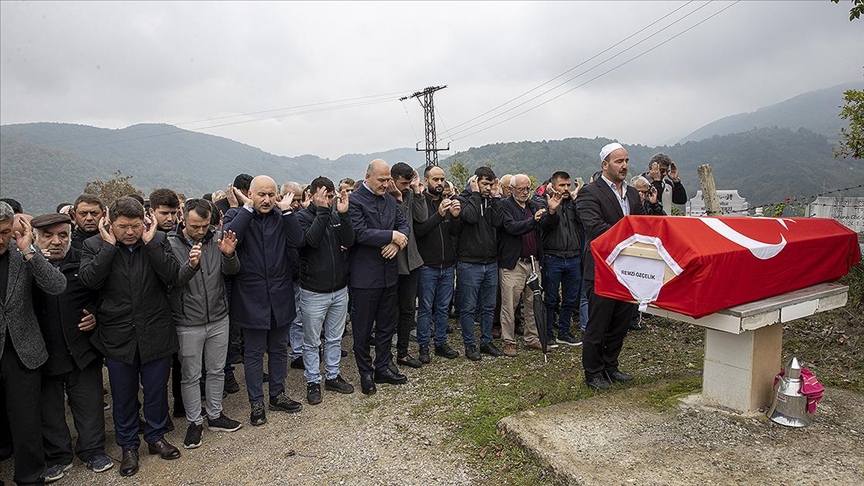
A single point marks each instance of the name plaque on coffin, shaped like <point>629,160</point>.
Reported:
<point>697,266</point>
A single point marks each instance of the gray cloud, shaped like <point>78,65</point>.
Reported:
<point>116,64</point>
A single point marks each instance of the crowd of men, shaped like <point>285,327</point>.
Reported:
<point>185,289</point>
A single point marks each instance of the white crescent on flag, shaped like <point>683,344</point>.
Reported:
<point>759,249</point>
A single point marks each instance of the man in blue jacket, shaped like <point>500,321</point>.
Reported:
<point>262,295</point>
<point>381,230</point>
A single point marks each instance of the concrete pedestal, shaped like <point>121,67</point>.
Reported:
<point>743,344</point>
<point>740,368</point>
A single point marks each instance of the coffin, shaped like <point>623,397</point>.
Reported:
<point>698,266</point>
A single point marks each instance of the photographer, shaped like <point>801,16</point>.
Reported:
<point>648,196</point>
<point>663,175</point>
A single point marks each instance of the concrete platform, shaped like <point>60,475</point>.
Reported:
<point>617,438</point>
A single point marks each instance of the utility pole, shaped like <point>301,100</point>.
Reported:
<point>425,99</point>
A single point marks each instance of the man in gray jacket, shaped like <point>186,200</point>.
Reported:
<point>406,189</point>
<point>22,349</point>
<point>200,309</point>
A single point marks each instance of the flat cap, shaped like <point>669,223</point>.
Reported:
<point>50,219</point>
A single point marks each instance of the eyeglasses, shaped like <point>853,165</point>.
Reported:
<point>663,170</point>
<point>643,192</point>
<point>522,189</point>
<point>127,227</point>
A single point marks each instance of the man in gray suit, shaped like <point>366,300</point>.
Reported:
<point>22,349</point>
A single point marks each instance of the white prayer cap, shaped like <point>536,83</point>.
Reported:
<point>608,149</point>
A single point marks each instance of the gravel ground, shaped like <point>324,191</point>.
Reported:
<point>347,439</point>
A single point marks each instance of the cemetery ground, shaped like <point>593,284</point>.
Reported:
<point>443,426</point>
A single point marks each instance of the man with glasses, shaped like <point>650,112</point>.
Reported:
<point>648,196</point>
<point>132,269</point>
<point>663,175</point>
<point>200,309</point>
<point>519,242</point>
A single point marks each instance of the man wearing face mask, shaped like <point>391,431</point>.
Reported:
<point>200,309</point>
<point>74,367</point>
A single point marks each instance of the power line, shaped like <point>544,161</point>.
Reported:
<point>595,77</point>
<point>576,66</point>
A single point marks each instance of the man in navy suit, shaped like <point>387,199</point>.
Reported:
<point>600,205</point>
<point>380,230</point>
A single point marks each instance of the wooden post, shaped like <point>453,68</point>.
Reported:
<point>709,190</point>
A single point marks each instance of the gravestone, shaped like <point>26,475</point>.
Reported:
<point>849,211</point>
<point>731,204</point>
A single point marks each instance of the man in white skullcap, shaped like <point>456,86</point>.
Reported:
<point>600,205</point>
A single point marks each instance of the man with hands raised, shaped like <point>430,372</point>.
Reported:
<point>132,270</point>
<point>381,230</point>
<point>324,286</point>
<point>262,294</point>
<point>200,309</point>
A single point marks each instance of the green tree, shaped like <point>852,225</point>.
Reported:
<point>460,174</point>
<point>852,144</point>
<point>856,10</point>
<point>112,189</point>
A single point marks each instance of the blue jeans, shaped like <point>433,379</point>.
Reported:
<point>327,310</point>
<point>478,286</point>
<point>295,336</point>
<point>434,290</point>
<point>583,308</point>
<point>566,274</point>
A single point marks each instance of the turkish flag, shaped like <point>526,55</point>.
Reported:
<point>719,262</point>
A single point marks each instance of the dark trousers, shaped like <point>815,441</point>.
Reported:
<point>608,320</point>
<point>125,379</point>
<point>176,388</point>
<point>374,307</point>
<point>407,298</point>
<point>275,342</point>
<point>23,404</point>
<point>84,389</point>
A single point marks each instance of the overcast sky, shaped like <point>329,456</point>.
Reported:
<point>250,67</point>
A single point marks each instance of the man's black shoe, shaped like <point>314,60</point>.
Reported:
<point>282,403</point>
<point>313,393</point>
<point>387,376</point>
<point>258,416</point>
<point>367,385</point>
<point>231,385</point>
<point>424,355</point>
<point>472,353</point>
<point>193,436</point>
<point>490,349</point>
<point>338,385</point>
<point>445,351</point>
<point>129,463</point>
<point>409,361</point>
<point>598,383</point>
<point>619,376</point>
<point>297,363</point>
<point>164,449</point>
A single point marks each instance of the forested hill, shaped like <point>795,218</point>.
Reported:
<point>43,164</point>
<point>766,165</point>
<point>816,111</point>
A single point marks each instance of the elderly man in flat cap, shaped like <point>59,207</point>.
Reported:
<point>22,348</point>
<point>600,205</point>
<point>67,322</point>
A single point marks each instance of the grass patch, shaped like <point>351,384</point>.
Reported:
<point>668,396</point>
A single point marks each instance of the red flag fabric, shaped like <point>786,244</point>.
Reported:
<point>720,262</point>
